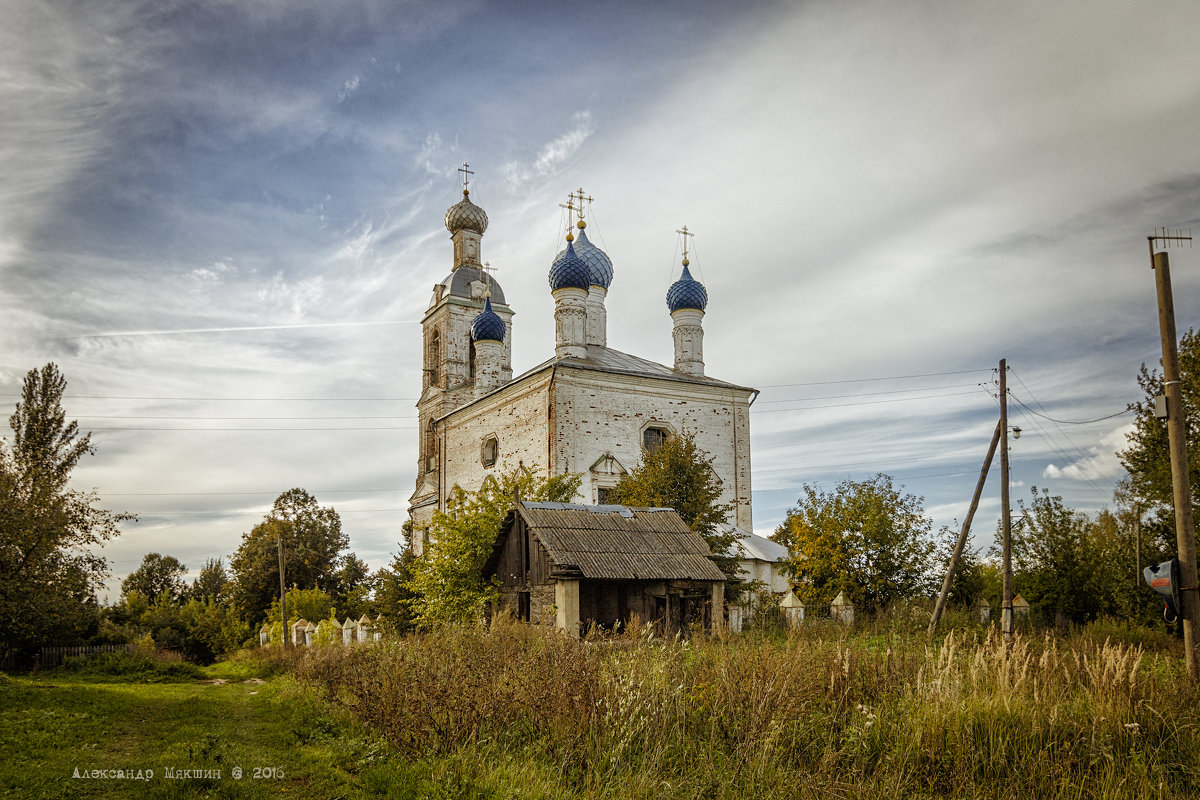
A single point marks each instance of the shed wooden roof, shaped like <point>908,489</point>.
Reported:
<point>615,542</point>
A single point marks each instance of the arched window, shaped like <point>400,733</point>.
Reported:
<point>434,358</point>
<point>654,438</point>
<point>489,451</point>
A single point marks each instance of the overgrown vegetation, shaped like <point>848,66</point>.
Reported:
<point>818,713</point>
<point>48,574</point>
<point>447,585</point>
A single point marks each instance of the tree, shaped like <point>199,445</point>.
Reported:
<point>864,538</point>
<point>157,575</point>
<point>967,584</point>
<point>212,583</point>
<point>394,597</point>
<point>1054,559</point>
<point>313,605</point>
<point>1147,458</point>
<point>312,545</point>
<point>352,587</point>
<point>680,475</point>
<point>447,582</point>
<point>48,572</point>
<point>1072,567</point>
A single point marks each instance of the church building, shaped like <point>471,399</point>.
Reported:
<point>587,409</point>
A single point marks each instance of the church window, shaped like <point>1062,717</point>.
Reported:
<point>602,496</point>
<point>434,358</point>
<point>472,362</point>
<point>490,451</point>
<point>654,438</point>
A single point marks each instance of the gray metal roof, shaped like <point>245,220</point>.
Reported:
<point>616,542</point>
<point>458,284</point>
<point>752,546</point>
<point>606,359</point>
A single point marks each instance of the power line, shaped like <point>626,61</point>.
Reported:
<point>1067,460</point>
<point>868,394</point>
<point>144,515</point>
<point>246,494</point>
<point>234,399</point>
<point>887,378</point>
<point>864,403</point>
<point>258,430</point>
<point>129,416</point>
<point>1068,421</point>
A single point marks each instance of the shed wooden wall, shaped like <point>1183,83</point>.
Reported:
<point>523,561</point>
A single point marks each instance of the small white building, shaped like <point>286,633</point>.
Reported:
<point>760,560</point>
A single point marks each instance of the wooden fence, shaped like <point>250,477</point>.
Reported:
<point>55,656</point>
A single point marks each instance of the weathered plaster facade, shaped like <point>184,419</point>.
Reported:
<point>587,410</point>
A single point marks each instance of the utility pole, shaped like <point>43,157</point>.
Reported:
<point>1137,543</point>
<point>1006,608</point>
<point>966,529</point>
<point>282,590</point>
<point>1185,535</point>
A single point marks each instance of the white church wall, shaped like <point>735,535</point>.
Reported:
<point>604,412</point>
<point>516,416</point>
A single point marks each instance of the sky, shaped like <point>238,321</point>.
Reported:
<point>223,220</point>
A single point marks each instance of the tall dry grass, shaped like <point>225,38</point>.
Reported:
<point>817,713</point>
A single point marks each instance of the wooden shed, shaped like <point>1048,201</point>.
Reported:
<point>573,566</point>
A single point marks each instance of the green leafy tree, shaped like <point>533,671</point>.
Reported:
<point>313,605</point>
<point>1055,560</point>
<point>312,544</point>
<point>212,583</point>
<point>1147,458</point>
<point>394,597</point>
<point>353,587</point>
<point>158,574</point>
<point>680,475</point>
<point>447,582</point>
<point>49,572</point>
<point>864,538</point>
<point>967,584</point>
<point>201,631</point>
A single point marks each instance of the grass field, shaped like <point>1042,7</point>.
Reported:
<point>514,712</point>
<point>285,741</point>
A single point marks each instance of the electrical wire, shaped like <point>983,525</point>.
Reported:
<point>1067,460</point>
<point>863,403</point>
<point>1069,421</point>
<point>885,378</point>
<point>870,394</point>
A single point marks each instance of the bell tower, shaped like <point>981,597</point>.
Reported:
<point>450,363</point>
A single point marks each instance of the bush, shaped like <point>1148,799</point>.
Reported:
<point>891,715</point>
<point>136,666</point>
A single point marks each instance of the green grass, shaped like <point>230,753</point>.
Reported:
<point>515,712</point>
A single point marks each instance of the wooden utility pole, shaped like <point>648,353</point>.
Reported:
<point>1137,543</point>
<point>966,529</point>
<point>1006,608</point>
<point>282,589</point>
<point>1185,536</point>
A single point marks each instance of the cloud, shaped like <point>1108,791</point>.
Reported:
<point>1102,463</point>
<point>553,155</point>
<point>349,88</point>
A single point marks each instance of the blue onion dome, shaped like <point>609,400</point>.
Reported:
<point>569,272</point>
<point>687,292</point>
<point>600,268</point>
<point>487,325</point>
<point>465,215</point>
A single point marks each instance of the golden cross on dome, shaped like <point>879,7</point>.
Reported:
<point>685,233</point>
<point>467,173</point>
<point>582,198</point>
